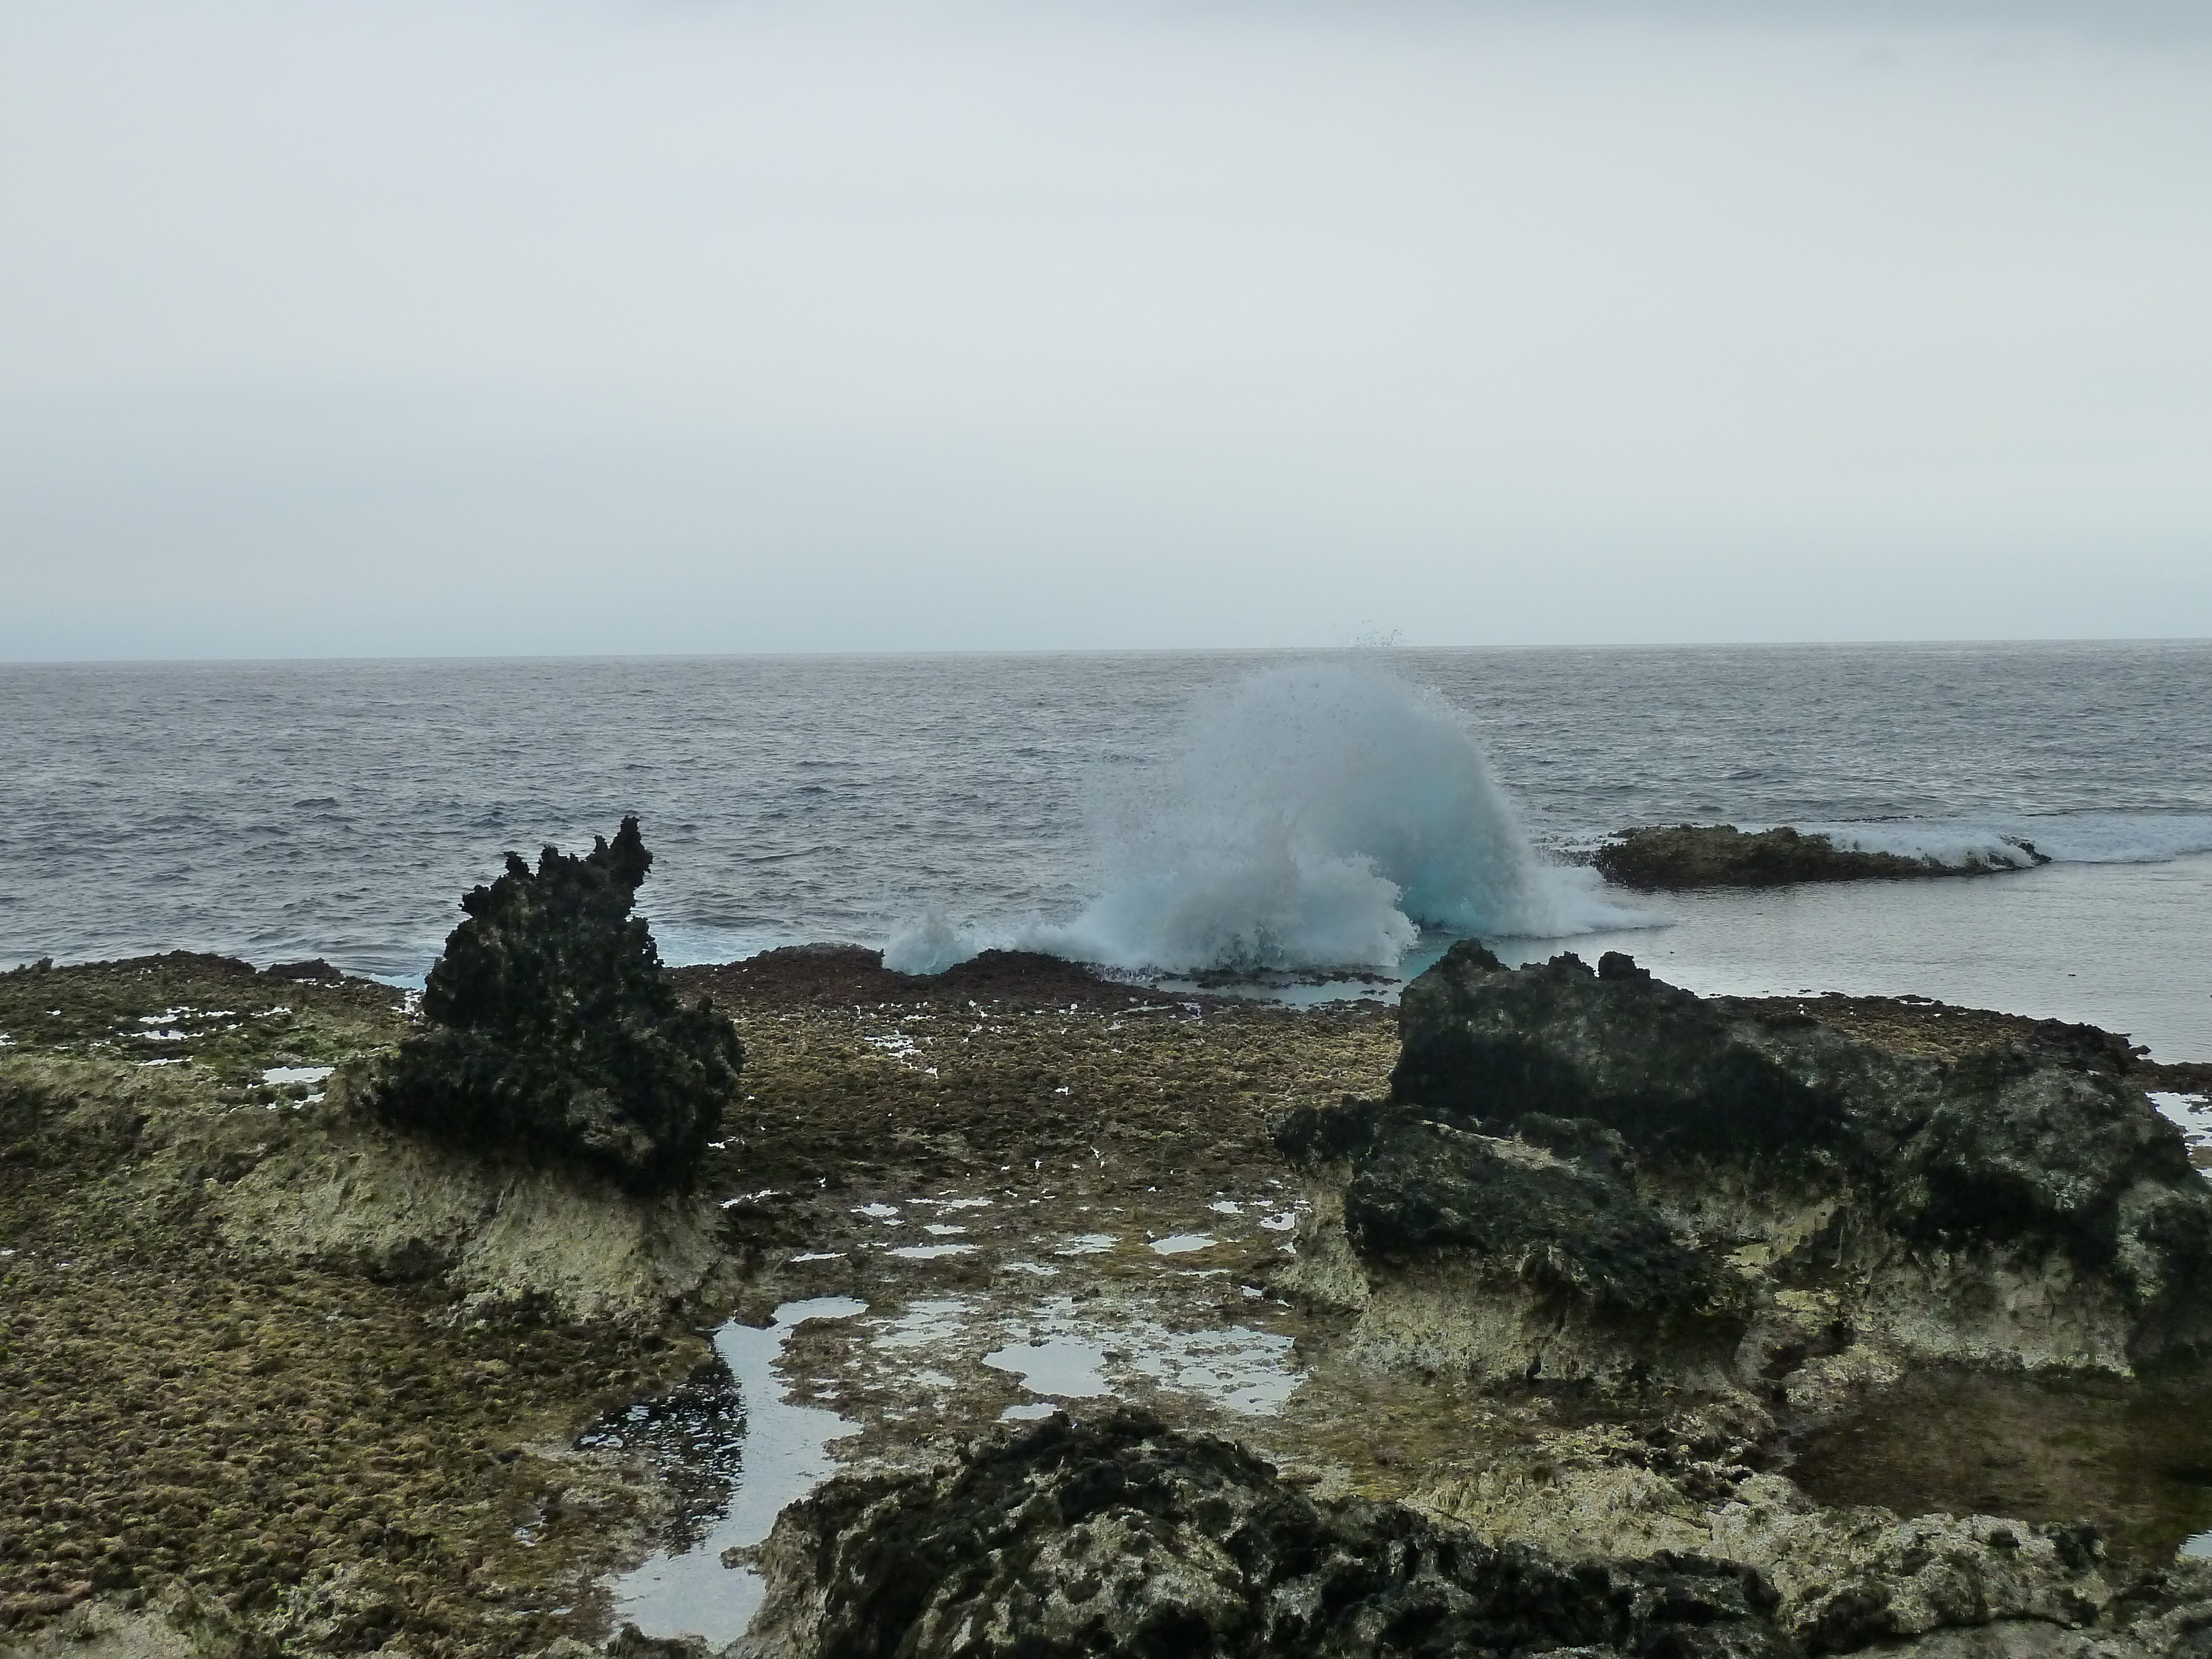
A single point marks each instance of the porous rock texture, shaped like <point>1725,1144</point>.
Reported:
<point>552,1030</point>
<point>1119,1535</point>
<point>1683,856</point>
<point>501,1232</point>
<point>1583,1173</point>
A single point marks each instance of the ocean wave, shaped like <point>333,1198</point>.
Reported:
<point>1315,816</point>
<point>2069,838</point>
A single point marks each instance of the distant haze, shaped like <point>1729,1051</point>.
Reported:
<point>701,326</point>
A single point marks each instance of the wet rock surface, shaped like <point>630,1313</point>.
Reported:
<point>550,1030</point>
<point>356,1364</point>
<point>1655,857</point>
<point>1561,1146</point>
<point>1121,1535</point>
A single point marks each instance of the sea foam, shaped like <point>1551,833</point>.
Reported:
<point>2001,840</point>
<point>1314,815</point>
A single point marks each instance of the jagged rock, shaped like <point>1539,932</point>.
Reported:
<point>1119,1535</point>
<point>1851,1578</point>
<point>1848,1578</point>
<point>1590,1173</point>
<point>1681,855</point>
<point>553,1030</point>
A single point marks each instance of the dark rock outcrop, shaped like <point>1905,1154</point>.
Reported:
<point>552,1030</point>
<point>1631,1166</point>
<point>1119,1536</point>
<point>1655,856</point>
<point>843,975</point>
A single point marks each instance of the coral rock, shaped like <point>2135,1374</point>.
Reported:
<point>552,1030</point>
<point>1581,1173</point>
<point>1119,1536</point>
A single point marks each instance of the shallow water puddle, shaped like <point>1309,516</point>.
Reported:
<point>923,1324</point>
<point>786,1454</point>
<point>284,1077</point>
<point>2135,1457</point>
<point>1063,1354</point>
<point>2193,1115</point>
<point>295,1073</point>
<point>1059,1368</point>
<point>1239,1370</point>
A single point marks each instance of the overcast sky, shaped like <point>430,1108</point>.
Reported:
<point>413,327</point>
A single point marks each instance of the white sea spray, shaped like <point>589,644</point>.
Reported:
<point>1314,815</point>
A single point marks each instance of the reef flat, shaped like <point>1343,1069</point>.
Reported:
<point>280,1376</point>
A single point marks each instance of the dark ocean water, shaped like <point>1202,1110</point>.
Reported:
<point>284,809</point>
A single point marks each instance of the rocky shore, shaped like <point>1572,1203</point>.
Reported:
<point>1543,1314</point>
<point>1673,857</point>
<point>1582,1173</point>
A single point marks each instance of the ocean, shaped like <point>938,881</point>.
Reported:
<point>1169,812</point>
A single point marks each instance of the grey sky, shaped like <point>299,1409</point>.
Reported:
<point>404,327</point>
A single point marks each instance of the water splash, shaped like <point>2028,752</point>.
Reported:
<point>1315,816</point>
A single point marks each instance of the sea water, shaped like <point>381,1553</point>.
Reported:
<point>1167,810</point>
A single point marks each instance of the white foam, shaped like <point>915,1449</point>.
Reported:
<point>930,944</point>
<point>2002,840</point>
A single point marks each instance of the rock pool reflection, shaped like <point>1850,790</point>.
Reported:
<point>786,1455</point>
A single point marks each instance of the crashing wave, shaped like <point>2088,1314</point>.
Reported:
<point>1315,816</point>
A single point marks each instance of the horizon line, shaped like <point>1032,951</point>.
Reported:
<point>1378,648</point>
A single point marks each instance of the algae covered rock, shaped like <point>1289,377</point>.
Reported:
<point>552,1030</point>
<point>1118,1535</point>
<point>1561,1146</point>
<point>1681,855</point>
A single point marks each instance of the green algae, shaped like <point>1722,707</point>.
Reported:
<point>311,1457</point>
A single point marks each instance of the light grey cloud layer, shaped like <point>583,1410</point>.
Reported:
<point>575,326</point>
